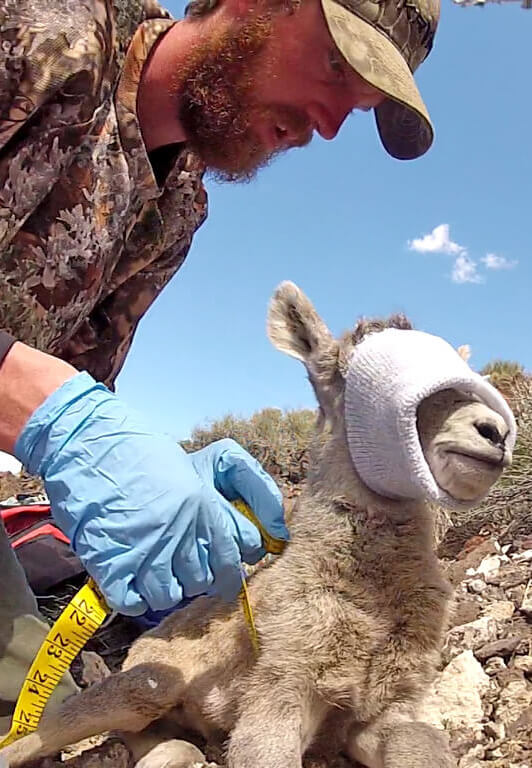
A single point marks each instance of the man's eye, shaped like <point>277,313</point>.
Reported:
<point>337,64</point>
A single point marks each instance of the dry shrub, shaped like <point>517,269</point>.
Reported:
<point>23,483</point>
<point>279,440</point>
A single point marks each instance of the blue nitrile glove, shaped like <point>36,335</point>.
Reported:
<point>151,523</point>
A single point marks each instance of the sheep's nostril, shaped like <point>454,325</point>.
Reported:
<point>489,432</point>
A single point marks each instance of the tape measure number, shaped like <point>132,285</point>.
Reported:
<point>77,623</point>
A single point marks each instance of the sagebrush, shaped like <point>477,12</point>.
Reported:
<point>278,439</point>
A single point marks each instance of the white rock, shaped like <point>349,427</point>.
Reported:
<point>455,700</point>
<point>514,699</point>
<point>524,663</point>
<point>494,665</point>
<point>172,752</point>
<point>477,586</point>
<point>500,610</point>
<point>471,761</point>
<point>495,730</point>
<point>489,567</point>
<point>526,605</point>
<point>473,758</point>
<point>472,635</point>
<point>523,557</point>
<point>94,668</point>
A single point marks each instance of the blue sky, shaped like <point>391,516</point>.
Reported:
<point>343,220</point>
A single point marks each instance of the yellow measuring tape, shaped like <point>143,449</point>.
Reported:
<point>75,626</point>
<point>271,545</point>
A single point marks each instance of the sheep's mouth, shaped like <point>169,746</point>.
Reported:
<point>495,459</point>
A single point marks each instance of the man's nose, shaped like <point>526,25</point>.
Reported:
<point>329,125</point>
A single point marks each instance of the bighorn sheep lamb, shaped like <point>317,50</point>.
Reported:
<point>351,617</point>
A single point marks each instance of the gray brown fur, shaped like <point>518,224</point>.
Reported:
<point>350,619</point>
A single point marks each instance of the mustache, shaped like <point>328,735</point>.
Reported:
<point>293,125</point>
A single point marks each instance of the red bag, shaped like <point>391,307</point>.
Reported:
<point>41,547</point>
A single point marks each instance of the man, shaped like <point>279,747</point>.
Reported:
<point>111,112</point>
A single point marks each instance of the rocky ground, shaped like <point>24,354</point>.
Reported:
<point>483,693</point>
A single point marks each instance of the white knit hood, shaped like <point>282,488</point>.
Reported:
<point>390,373</point>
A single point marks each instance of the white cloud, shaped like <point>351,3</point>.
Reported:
<point>465,270</point>
<point>437,241</point>
<point>8,463</point>
<point>492,261</point>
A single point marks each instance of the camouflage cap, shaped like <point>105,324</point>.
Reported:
<point>385,41</point>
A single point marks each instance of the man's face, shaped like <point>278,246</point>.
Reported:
<point>264,84</point>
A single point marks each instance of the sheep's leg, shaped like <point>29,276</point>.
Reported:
<point>274,743</point>
<point>127,701</point>
<point>416,745</point>
<point>393,741</point>
<point>278,720</point>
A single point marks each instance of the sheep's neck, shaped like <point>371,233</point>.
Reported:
<point>388,544</point>
<point>379,565</point>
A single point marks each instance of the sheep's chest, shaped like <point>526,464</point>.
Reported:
<point>391,651</point>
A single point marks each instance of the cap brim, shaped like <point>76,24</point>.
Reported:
<point>403,121</point>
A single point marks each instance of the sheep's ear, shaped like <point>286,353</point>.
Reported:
<point>465,352</point>
<point>294,326</point>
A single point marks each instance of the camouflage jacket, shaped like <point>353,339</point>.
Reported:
<point>87,236</point>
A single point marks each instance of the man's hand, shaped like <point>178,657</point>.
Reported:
<point>151,524</point>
